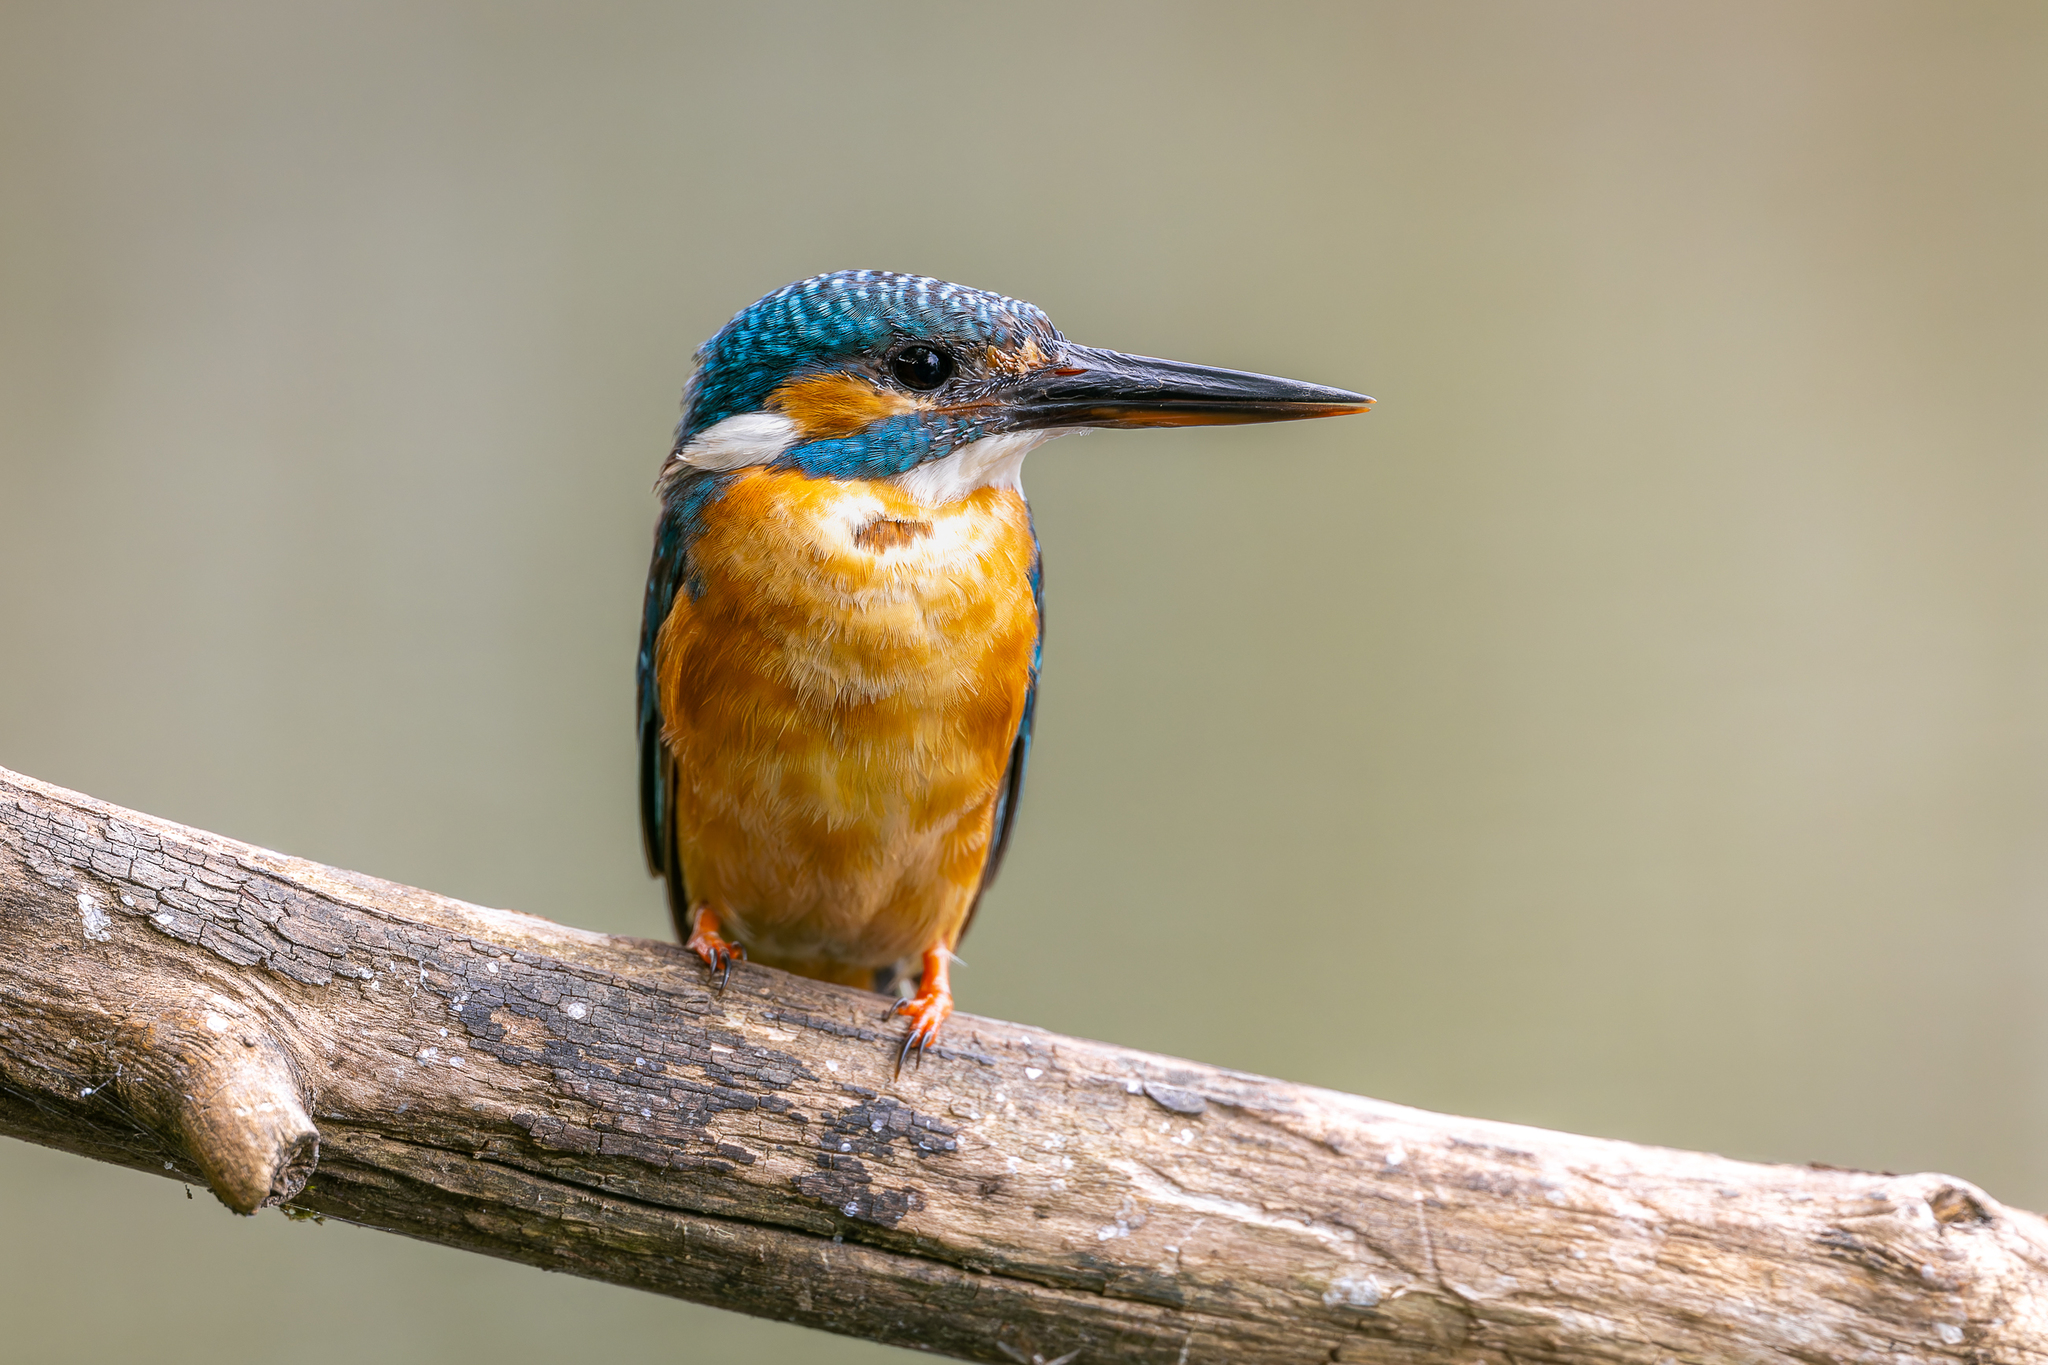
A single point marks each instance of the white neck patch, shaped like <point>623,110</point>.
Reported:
<point>991,462</point>
<point>744,439</point>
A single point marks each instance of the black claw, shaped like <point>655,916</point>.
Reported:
<point>906,1050</point>
<point>721,963</point>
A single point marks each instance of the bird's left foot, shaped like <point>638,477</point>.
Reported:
<point>928,1009</point>
<point>715,948</point>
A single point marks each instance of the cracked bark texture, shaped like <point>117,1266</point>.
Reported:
<point>293,1034</point>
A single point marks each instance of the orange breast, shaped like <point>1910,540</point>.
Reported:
<point>840,699</point>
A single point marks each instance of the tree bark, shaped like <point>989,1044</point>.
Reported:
<point>294,1034</point>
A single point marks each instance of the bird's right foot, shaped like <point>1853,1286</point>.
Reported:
<point>718,951</point>
<point>929,1008</point>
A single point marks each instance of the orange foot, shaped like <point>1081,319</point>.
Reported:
<point>715,948</point>
<point>929,1008</point>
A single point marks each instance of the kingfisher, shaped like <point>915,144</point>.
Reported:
<point>844,619</point>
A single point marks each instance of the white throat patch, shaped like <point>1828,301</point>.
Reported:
<point>991,462</point>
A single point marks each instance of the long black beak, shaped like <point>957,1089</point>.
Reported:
<point>1091,388</point>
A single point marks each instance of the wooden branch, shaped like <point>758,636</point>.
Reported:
<point>289,1033</point>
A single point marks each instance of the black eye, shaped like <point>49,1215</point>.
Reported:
<point>921,367</point>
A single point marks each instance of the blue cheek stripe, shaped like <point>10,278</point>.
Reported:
<point>892,446</point>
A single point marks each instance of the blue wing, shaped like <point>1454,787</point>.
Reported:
<point>666,576</point>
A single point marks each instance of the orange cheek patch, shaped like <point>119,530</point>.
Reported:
<point>827,406</point>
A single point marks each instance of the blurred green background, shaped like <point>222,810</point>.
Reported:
<point>1638,725</point>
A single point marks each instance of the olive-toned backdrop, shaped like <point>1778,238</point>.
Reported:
<point>1638,725</point>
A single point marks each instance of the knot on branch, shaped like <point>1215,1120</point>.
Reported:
<point>224,1090</point>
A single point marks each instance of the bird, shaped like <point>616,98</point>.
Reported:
<point>844,617</point>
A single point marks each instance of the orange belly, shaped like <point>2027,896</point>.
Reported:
<point>840,699</point>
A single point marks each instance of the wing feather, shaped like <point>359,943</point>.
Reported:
<point>665,578</point>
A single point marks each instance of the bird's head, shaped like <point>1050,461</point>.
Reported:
<point>868,374</point>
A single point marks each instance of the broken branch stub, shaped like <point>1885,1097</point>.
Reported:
<point>228,1096</point>
<point>181,1003</point>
